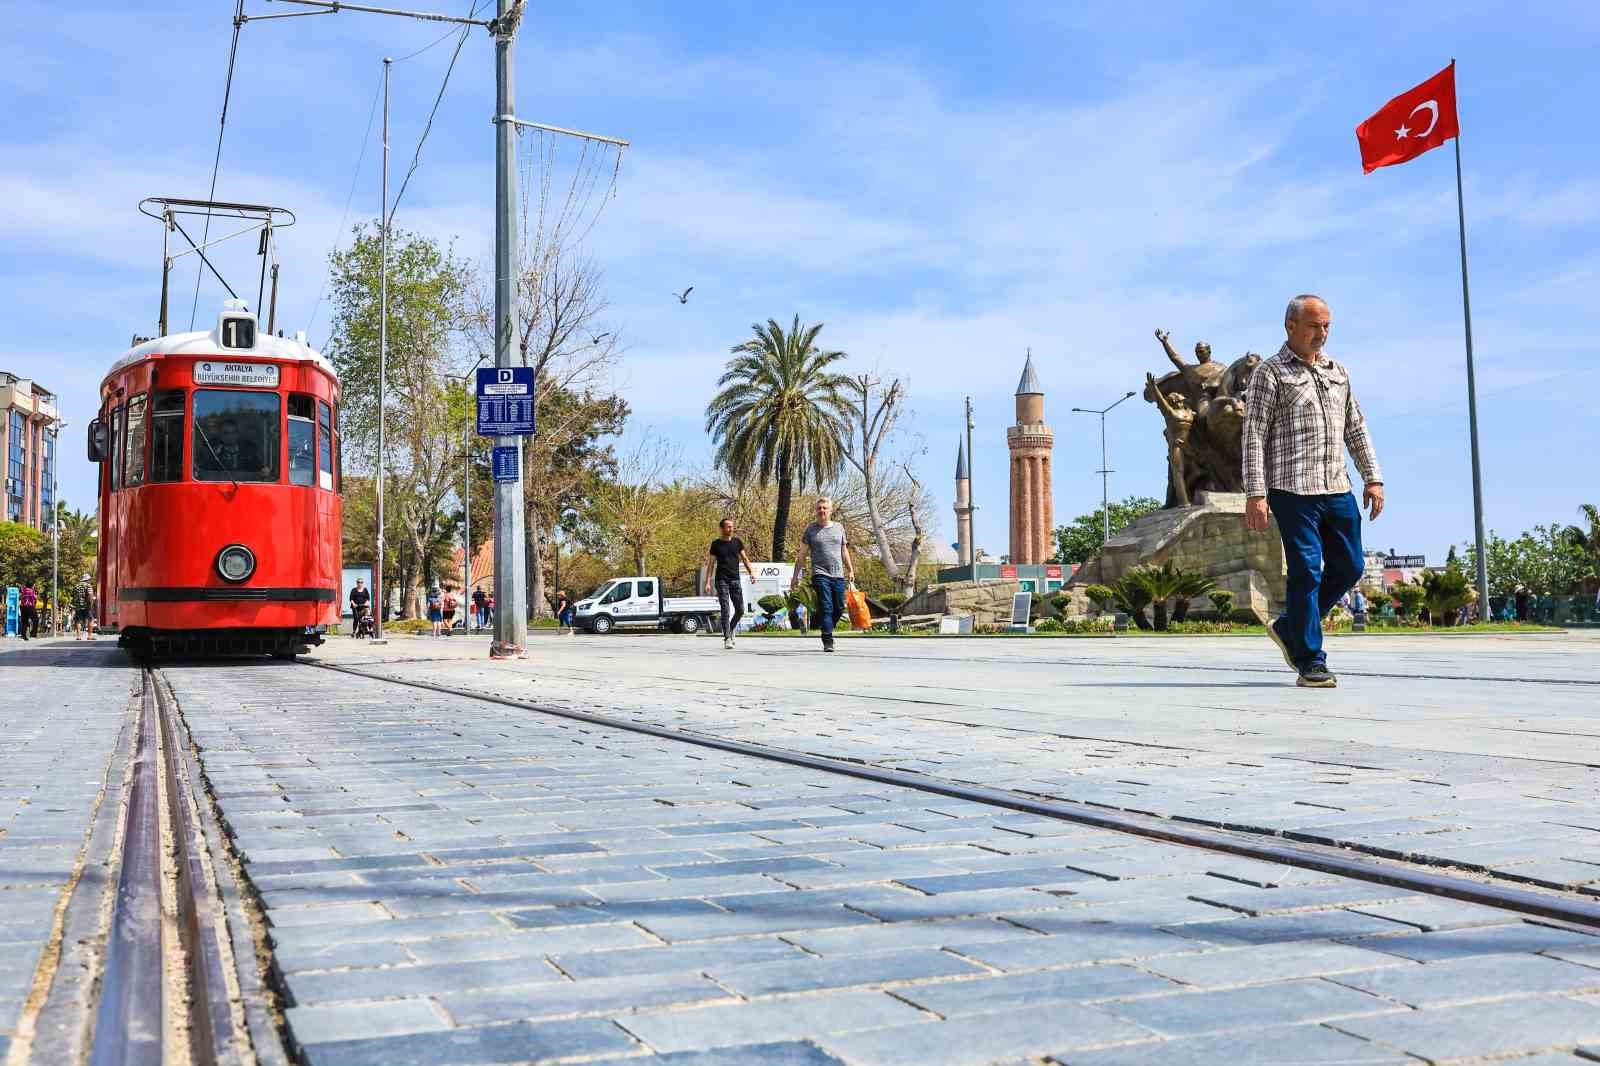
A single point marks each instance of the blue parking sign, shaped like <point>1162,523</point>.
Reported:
<point>505,401</point>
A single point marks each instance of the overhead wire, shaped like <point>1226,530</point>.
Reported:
<point>416,158</point>
<point>216,160</point>
<point>355,179</point>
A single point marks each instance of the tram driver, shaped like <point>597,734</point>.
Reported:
<point>231,453</point>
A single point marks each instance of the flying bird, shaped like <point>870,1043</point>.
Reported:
<point>683,297</point>
<point>596,338</point>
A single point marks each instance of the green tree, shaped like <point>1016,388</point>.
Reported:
<point>24,556</point>
<point>1081,539</point>
<point>426,428</point>
<point>781,414</point>
<point>1587,540</point>
<point>1547,560</point>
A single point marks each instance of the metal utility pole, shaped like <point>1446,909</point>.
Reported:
<point>510,550</point>
<point>510,539</point>
<point>1482,557</point>
<point>1104,471</point>
<point>379,589</point>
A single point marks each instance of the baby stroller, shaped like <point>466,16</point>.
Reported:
<point>364,624</point>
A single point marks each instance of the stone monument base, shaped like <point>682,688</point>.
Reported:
<point>1208,537</point>
<point>989,602</point>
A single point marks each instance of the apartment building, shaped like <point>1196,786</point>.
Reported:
<point>28,420</point>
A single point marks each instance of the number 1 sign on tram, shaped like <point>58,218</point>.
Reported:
<point>505,401</point>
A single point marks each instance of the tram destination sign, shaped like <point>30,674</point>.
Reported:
<point>217,372</point>
<point>505,401</point>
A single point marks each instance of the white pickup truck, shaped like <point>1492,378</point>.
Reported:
<point>637,602</point>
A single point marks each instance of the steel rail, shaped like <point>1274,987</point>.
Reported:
<point>131,1026</point>
<point>1329,860</point>
<point>129,1021</point>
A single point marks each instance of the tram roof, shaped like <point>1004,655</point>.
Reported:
<point>209,342</point>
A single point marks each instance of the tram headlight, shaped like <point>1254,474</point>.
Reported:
<point>236,563</point>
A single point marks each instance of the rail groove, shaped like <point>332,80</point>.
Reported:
<point>1323,859</point>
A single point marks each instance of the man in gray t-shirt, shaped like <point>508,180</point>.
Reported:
<point>831,567</point>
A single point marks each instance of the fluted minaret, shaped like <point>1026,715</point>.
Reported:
<point>1030,442</point>
<point>964,551</point>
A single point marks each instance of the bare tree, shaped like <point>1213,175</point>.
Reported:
<point>873,425</point>
<point>638,504</point>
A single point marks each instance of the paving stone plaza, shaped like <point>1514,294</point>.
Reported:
<point>443,878</point>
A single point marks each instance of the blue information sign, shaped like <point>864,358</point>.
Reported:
<point>507,462</point>
<point>505,401</point>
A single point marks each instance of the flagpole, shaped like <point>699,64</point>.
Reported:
<point>1472,399</point>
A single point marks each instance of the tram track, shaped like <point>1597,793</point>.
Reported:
<point>1439,880</point>
<point>168,992</point>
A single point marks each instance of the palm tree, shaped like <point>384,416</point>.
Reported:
<point>1190,586</point>
<point>1160,583</point>
<point>1588,540</point>
<point>781,414</point>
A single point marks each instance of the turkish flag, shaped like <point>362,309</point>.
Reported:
<point>1412,123</point>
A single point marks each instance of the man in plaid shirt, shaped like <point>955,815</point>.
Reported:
<point>1300,416</point>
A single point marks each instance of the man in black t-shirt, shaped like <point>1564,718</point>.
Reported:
<point>722,573</point>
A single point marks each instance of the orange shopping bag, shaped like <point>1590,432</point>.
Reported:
<point>855,601</point>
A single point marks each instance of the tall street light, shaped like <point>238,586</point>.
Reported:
<point>55,527</point>
<point>1105,474</point>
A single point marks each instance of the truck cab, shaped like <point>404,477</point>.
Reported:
<point>638,602</point>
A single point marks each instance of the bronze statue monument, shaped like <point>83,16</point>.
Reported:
<point>1202,404</point>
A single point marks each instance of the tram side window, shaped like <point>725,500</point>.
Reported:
<point>236,435</point>
<point>166,437</point>
<point>133,461</point>
<point>324,445</point>
<point>302,439</point>
<point>117,451</point>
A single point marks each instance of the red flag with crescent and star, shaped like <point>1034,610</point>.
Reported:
<point>1412,123</point>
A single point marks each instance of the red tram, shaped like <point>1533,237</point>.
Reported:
<point>220,485</point>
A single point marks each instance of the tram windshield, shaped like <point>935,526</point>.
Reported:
<point>235,435</point>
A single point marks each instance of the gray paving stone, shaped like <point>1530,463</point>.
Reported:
<point>809,975</point>
<point>530,944</point>
<point>779,1019</point>
<point>314,1024</point>
<point>674,959</point>
<point>1025,877</point>
<point>337,955</point>
<point>931,934</point>
<point>785,1053</point>
<point>1496,940</point>
<point>1476,978</point>
<point>984,1038</point>
<point>1078,947</point>
<point>1195,1013</point>
<point>1285,928</point>
<point>418,980</point>
<point>1266,901</point>
<point>1032,990</point>
<point>1483,1029</point>
<point>1303,1045</point>
<point>1432,913</point>
<point>517,1042</point>
<point>605,995</point>
<point>399,930</point>
<point>724,924</point>
<point>1271,962</point>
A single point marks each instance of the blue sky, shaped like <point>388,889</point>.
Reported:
<point>943,184</point>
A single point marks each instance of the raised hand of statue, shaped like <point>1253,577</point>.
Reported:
<point>1162,334</point>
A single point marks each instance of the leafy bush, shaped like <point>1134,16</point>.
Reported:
<point>893,601</point>
<point>408,625</point>
<point>1087,625</point>
<point>1409,597</point>
<point>1222,600</point>
<point>1200,627</point>
<point>1060,601</point>
<point>1047,625</point>
<point>771,606</point>
<point>1446,591</point>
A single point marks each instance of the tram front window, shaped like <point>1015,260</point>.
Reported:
<point>235,435</point>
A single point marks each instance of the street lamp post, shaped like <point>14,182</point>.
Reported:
<point>55,528</point>
<point>1105,474</point>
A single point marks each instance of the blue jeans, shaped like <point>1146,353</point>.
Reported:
<point>830,603</point>
<point>1322,545</point>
